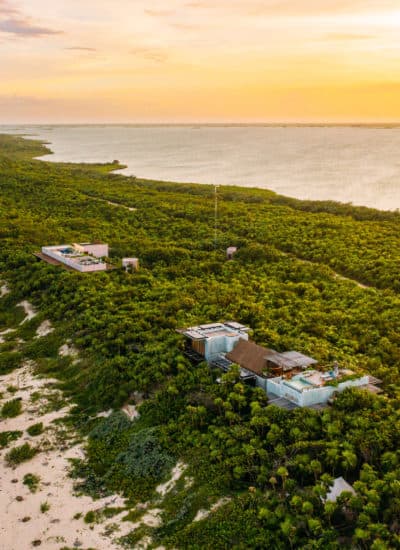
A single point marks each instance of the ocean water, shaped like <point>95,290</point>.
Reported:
<point>352,164</point>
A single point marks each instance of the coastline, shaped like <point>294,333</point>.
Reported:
<point>194,166</point>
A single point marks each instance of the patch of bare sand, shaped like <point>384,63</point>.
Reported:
<point>202,514</point>
<point>130,411</point>
<point>30,313</point>
<point>21,520</point>
<point>4,290</point>
<point>68,350</point>
<point>44,329</point>
<point>166,487</point>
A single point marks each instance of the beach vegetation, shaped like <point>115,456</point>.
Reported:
<point>9,436</point>
<point>32,481</point>
<point>11,409</point>
<point>20,454</point>
<point>35,429</point>
<point>44,507</point>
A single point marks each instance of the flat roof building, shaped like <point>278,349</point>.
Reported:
<point>212,339</point>
<point>314,387</point>
<point>83,257</point>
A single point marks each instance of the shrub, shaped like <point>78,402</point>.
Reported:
<point>7,437</point>
<point>44,507</point>
<point>90,517</point>
<point>9,361</point>
<point>35,429</point>
<point>12,408</point>
<point>32,482</point>
<point>20,454</point>
<point>144,457</point>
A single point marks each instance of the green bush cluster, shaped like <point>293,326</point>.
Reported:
<point>8,436</point>
<point>35,429</point>
<point>32,481</point>
<point>20,454</point>
<point>12,408</point>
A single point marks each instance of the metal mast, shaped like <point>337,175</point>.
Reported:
<point>216,217</point>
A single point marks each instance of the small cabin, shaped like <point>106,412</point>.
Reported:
<point>130,264</point>
<point>230,252</point>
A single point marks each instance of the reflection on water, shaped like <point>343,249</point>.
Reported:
<point>348,164</point>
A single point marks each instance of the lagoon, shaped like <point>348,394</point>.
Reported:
<point>351,164</point>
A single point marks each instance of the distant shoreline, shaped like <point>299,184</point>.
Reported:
<point>373,125</point>
<point>342,164</point>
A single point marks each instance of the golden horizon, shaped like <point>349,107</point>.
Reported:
<point>243,61</point>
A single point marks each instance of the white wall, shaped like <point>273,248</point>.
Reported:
<point>222,344</point>
<point>312,396</point>
<point>51,251</point>
<point>99,250</point>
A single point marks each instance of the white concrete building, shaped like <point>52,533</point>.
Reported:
<point>211,340</point>
<point>314,387</point>
<point>83,257</point>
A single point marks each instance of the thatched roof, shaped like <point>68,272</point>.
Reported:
<point>250,356</point>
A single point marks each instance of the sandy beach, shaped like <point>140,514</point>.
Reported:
<point>22,523</point>
<point>52,515</point>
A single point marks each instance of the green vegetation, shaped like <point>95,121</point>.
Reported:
<point>12,408</point>
<point>44,507</point>
<point>274,465</point>
<point>9,360</point>
<point>90,517</point>
<point>32,481</point>
<point>20,454</point>
<point>35,429</point>
<point>8,437</point>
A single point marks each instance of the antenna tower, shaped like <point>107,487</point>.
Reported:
<point>216,216</point>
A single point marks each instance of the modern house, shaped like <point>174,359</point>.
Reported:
<point>288,378</point>
<point>209,341</point>
<point>265,363</point>
<point>314,387</point>
<point>83,257</point>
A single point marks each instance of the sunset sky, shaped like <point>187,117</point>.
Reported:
<point>199,60</point>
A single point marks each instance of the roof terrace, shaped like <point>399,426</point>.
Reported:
<point>213,330</point>
<point>313,379</point>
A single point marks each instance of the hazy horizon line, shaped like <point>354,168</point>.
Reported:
<point>389,123</point>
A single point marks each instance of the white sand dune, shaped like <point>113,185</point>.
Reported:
<point>56,527</point>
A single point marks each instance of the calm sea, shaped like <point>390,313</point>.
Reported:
<point>348,164</point>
